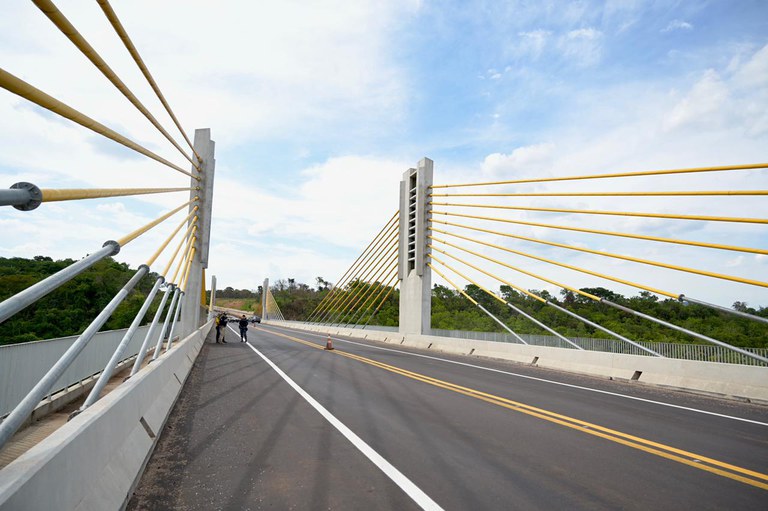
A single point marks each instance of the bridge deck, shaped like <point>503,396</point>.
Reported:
<point>241,437</point>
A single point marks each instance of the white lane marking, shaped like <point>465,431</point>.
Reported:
<point>625,396</point>
<point>413,491</point>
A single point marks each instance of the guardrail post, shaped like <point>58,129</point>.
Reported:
<point>412,270</point>
<point>190,311</point>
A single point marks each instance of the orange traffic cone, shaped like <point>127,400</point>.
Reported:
<point>329,343</point>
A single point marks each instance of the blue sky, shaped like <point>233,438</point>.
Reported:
<point>317,108</point>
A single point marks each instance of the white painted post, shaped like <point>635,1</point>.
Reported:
<point>414,274</point>
<point>192,304</point>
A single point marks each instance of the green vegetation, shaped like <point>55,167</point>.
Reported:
<point>451,311</point>
<point>69,309</point>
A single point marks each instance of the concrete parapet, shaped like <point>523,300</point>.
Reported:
<point>94,461</point>
<point>734,380</point>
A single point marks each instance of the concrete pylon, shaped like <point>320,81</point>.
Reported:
<point>191,306</point>
<point>412,270</point>
<point>264,291</point>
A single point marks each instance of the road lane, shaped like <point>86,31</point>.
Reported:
<point>744,448</point>
<point>463,452</point>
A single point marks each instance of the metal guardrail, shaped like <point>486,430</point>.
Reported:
<point>700,352</point>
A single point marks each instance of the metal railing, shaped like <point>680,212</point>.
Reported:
<point>700,352</point>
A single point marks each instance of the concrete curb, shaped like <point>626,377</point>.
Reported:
<point>94,461</point>
<point>732,380</point>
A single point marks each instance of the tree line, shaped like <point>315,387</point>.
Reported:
<point>69,309</point>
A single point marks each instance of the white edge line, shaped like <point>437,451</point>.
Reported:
<point>413,491</point>
<point>625,396</point>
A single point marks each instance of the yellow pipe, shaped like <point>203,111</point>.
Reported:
<point>711,193</point>
<point>138,232</point>
<point>550,261</point>
<point>66,194</point>
<point>700,244</point>
<point>487,291</point>
<point>154,257</point>
<point>614,213</point>
<point>178,247</point>
<point>620,174</point>
<point>121,32</point>
<point>615,256</point>
<point>40,98</point>
<point>63,24</point>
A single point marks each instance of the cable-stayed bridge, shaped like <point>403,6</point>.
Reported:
<point>335,411</point>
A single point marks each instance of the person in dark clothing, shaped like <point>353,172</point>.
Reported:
<point>243,329</point>
<point>221,323</point>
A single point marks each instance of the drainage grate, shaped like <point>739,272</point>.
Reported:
<point>637,374</point>
<point>534,361</point>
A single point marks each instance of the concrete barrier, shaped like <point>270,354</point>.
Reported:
<point>731,380</point>
<point>94,461</point>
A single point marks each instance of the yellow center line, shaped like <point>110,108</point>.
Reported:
<point>681,456</point>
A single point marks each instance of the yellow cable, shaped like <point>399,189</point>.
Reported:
<point>63,24</point>
<point>183,260</point>
<point>50,195</point>
<point>121,32</point>
<point>40,98</point>
<point>371,287</point>
<point>550,261</point>
<point>187,270</point>
<point>457,272</point>
<point>700,244</point>
<point>381,257</point>
<point>451,282</point>
<point>615,256</point>
<point>614,213</point>
<point>614,175</point>
<point>339,282</point>
<point>389,240</point>
<point>534,275</point>
<point>710,193</point>
<point>138,232</point>
<point>162,247</point>
<point>183,239</point>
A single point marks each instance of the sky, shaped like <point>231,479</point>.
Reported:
<point>317,108</point>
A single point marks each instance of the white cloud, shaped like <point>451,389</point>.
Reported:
<point>534,42</point>
<point>702,105</point>
<point>678,25</point>
<point>583,47</point>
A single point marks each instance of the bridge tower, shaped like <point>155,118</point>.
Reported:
<point>413,273</point>
<point>193,304</point>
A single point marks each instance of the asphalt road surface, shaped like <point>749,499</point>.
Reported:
<point>280,423</point>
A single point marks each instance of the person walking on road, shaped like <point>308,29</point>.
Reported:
<point>221,324</point>
<point>243,329</point>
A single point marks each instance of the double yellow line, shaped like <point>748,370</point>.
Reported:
<point>713,466</point>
